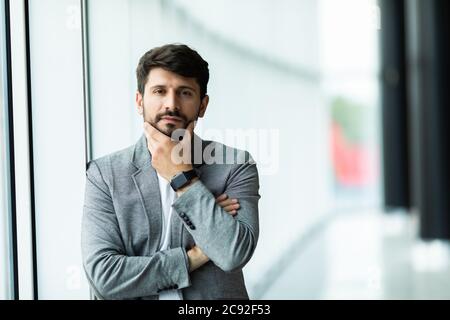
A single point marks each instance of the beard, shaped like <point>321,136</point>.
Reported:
<point>169,128</point>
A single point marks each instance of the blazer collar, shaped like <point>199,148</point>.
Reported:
<point>141,156</point>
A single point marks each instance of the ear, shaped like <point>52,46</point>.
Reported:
<point>203,106</point>
<point>139,103</point>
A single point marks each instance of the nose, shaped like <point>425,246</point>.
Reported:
<point>171,101</point>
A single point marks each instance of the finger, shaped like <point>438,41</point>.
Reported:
<point>233,213</point>
<point>154,133</point>
<point>191,126</point>
<point>231,207</point>
<point>221,197</point>
<point>151,146</point>
<point>227,202</point>
<point>149,131</point>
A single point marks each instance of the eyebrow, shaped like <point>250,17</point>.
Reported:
<point>179,88</point>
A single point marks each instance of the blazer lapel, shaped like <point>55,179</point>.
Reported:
<point>146,182</point>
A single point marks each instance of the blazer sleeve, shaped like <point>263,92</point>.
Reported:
<point>111,273</point>
<point>228,241</point>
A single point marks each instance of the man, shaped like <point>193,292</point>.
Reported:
<point>155,227</point>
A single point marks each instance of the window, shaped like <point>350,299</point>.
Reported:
<point>6,263</point>
<point>59,144</point>
<point>350,87</point>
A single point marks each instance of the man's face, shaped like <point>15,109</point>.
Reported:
<point>170,101</point>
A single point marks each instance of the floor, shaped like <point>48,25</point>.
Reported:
<point>366,255</point>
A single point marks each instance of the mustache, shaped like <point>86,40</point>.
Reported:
<point>175,113</point>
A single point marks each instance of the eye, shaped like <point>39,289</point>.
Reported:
<point>186,93</point>
<point>158,91</point>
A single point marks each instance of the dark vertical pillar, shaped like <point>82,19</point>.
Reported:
<point>428,35</point>
<point>394,105</point>
<point>10,142</point>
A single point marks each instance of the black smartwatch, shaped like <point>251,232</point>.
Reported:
<point>182,179</point>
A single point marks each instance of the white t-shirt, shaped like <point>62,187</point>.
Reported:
<point>168,196</point>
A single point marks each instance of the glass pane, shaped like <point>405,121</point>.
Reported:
<point>58,140</point>
<point>350,64</point>
<point>6,275</point>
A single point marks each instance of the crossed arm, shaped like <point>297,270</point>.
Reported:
<point>113,274</point>
<point>195,255</point>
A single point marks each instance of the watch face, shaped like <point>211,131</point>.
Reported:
<point>182,178</point>
<point>178,181</point>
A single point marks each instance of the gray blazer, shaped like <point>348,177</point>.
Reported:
<point>121,227</point>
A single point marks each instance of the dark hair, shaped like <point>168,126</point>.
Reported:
<point>177,58</point>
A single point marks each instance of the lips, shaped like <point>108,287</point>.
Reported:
<point>171,119</point>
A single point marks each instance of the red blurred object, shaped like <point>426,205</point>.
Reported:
<point>354,164</point>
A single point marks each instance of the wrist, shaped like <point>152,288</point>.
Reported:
<point>170,174</point>
<point>196,258</point>
<point>182,168</point>
<point>181,180</point>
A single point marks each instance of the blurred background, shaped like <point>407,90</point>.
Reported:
<point>342,103</point>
